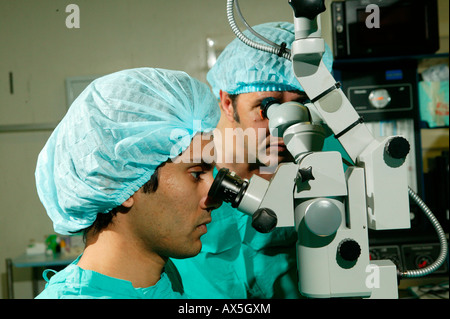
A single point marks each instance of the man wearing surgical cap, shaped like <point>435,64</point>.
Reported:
<point>245,263</point>
<point>130,166</point>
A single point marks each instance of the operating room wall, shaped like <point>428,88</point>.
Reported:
<point>41,52</point>
<point>38,52</point>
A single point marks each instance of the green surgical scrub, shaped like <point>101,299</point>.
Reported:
<point>75,282</point>
<point>237,262</point>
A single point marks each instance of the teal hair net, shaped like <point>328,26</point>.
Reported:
<point>114,136</point>
<point>243,69</point>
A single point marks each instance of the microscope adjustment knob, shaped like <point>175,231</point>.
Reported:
<point>305,174</point>
<point>307,8</point>
<point>397,147</point>
<point>349,249</point>
<point>264,220</point>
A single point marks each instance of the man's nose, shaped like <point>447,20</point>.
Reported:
<point>212,203</point>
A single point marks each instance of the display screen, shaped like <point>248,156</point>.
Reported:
<point>403,28</point>
<point>398,24</point>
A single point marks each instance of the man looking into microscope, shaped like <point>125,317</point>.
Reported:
<point>128,166</point>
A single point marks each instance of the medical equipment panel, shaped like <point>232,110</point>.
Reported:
<point>364,28</point>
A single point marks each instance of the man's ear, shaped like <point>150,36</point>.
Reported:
<point>129,202</point>
<point>226,104</point>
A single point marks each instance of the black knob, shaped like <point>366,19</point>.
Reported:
<point>307,8</point>
<point>264,220</point>
<point>349,249</point>
<point>305,174</point>
<point>397,147</point>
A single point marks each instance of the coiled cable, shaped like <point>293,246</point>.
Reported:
<point>267,48</point>
<point>442,239</point>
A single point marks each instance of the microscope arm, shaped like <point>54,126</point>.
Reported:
<point>382,159</point>
<point>328,99</point>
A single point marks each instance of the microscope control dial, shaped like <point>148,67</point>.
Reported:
<point>398,147</point>
<point>309,9</point>
<point>264,220</point>
<point>349,249</point>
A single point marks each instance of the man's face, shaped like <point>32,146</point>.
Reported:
<point>171,220</point>
<point>269,150</point>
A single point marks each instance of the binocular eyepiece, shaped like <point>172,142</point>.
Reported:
<point>228,187</point>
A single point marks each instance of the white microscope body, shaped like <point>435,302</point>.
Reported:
<point>330,208</point>
<point>374,191</point>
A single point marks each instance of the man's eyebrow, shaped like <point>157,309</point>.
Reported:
<point>302,97</point>
<point>203,164</point>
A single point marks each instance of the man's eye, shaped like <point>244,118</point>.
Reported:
<point>196,175</point>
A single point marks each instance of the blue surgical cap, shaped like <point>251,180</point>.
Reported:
<point>114,136</point>
<point>243,69</point>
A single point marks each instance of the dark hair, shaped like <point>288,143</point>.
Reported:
<point>104,219</point>
<point>233,98</point>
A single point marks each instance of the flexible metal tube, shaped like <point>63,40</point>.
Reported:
<point>442,239</point>
<point>247,41</point>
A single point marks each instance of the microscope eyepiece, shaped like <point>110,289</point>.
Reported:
<point>228,187</point>
<point>265,104</point>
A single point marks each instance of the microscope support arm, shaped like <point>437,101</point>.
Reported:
<point>326,95</point>
<point>385,174</point>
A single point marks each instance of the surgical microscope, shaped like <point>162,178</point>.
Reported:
<point>330,207</point>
